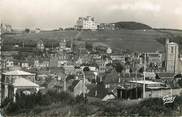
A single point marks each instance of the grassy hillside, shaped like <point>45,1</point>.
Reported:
<point>137,40</point>
<point>131,25</point>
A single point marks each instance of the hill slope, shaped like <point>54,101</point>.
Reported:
<point>131,25</point>
<point>137,40</point>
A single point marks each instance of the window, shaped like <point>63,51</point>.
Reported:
<point>172,49</point>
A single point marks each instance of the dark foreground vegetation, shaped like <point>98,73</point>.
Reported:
<point>61,104</point>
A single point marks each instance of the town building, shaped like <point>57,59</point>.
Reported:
<point>78,48</point>
<point>86,23</point>
<point>118,57</point>
<point>40,45</point>
<point>62,44</point>
<point>9,63</point>
<point>53,61</point>
<point>12,81</point>
<point>109,51</point>
<point>172,53</point>
<point>41,63</point>
<point>154,58</point>
<point>37,30</point>
<point>106,26</point>
<point>78,87</point>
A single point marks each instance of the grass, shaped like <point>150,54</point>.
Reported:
<point>137,40</point>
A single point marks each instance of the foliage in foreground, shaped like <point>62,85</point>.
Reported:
<point>64,103</point>
<point>25,103</point>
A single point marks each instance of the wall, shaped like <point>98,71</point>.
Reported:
<point>161,93</point>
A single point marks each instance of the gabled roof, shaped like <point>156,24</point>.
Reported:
<point>146,82</point>
<point>74,83</point>
<point>166,75</point>
<point>18,73</point>
<point>22,82</point>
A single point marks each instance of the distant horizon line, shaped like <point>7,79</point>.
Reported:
<point>51,29</point>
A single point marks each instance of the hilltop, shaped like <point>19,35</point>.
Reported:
<point>131,25</point>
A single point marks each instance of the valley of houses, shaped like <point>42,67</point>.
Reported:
<point>94,70</point>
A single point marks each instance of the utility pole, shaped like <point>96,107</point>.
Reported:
<point>84,85</point>
<point>65,87</point>
<point>144,70</point>
<point>84,88</point>
<point>1,62</point>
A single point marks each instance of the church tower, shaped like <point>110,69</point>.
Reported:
<point>172,52</point>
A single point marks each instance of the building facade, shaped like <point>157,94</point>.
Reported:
<point>172,53</point>
<point>40,45</point>
<point>86,23</point>
<point>154,58</point>
<point>106,26</point>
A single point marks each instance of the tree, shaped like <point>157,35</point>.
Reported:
<point>88,46</point>
<point>85,69</point>
<point>118,67</point>
<point>27,30</point>
<point>141,70</point>
<point>180,82</point>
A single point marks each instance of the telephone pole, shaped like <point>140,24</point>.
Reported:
<point>144,70</point>
<point>1,62</point>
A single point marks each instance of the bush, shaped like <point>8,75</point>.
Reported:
<point>79,99</point>
<point>28,102</point>
<point>6,102</point>
<point>152,107</point>
<point>13,108</point>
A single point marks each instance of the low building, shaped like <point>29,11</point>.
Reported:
<point>118,57</point>
<point>40,45</point>
<point>12,81</point>
<point>109,51</point>
<point>62,44</point>
<point>37,30</point>
<point>106,26</point>
<point>78,87</point>
<point>41,63</point>
<point>155,58</point>
<point>9,64</point>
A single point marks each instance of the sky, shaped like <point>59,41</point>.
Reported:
<point>50,14</point>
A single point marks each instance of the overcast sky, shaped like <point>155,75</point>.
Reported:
<point>56,13</point>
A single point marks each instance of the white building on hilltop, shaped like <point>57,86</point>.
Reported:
<point>86,23</point>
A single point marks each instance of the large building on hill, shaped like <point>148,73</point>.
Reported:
<point>172,57</point>
<point>86,23</point>
<point>6,28</point>
<point>106,26</point>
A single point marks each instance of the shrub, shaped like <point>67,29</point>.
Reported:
<point>6,102</point>
<point>79,99</point>
<point>13,108</point>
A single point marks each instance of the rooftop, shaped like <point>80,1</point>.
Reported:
<point>22,82</point>
<point>145,82</point>
<point>18,73</point>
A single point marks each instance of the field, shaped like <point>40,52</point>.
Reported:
<point>135,40</point>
